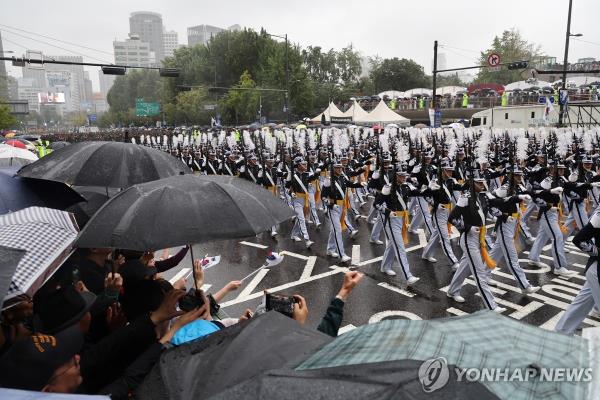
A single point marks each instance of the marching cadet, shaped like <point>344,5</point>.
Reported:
<point>268,177</point>
<point>297,182</point>
<point>378,180</point>
<point>350,174</point>
<point>548,200</point>
<point>335,194</point>
<point>442,205</point>
<point>212,166</point>
<point>420,205</point>
<point>251,170</point>
<point>588,240</point>
<point>576,193</point>
<point>469,218</point>
<point>506,210</point>
<point>394,214</point>
<point>314,189</point>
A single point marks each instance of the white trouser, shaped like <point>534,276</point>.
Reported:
<point>395,246</point>
<point>335,243</point>
<point>299,228</point>
<point>505,247</point>
<point>550,230</point>
<point>440,234</point>
<point>582,304</point>
<point>577,217</point>
<point>312,205</point>
<point>472,263</point>
<point>422,216</point>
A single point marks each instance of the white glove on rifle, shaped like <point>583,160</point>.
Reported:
<point>557,190</point>
<point>463,201</point>
<point>242,169</point>
<point>433,185</point>
<point>525,197</point>
<point>376,175</point>
<point>372,167</point>
<point>364,184</point>
<point>260,173</point>
<point>327,182</point>
<point>387,189</point>
<point>595,184</point>
<point>318,171</point>
<point>416,169</point>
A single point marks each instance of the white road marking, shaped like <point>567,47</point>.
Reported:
<point>291,254</point>
<point>346,328</point>
<point>551,323</point>
<point>456,311</point>
<point>396,289</point>
<point>205,287</point>
<point>253,283</point>
<point>526,310</point>
<point>355,254</point>
<point>257,245</point>
<point>567,283</point>
<point>183,273</point>
<point>308,268</point>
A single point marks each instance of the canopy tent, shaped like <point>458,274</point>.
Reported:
<point>392,94</point>
<point>355,111</point>
<point>523,85</point>
<point>330,111</point>
<point>577,81</point>
<point>418,92</point>
<point>450,90</point>
<point>383,114</point>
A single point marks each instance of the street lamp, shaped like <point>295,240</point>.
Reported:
<point>565,62</point>
<point>287,74</point>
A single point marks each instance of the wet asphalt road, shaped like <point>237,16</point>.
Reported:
<point>310,273</point>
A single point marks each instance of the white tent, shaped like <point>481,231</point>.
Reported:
<point>451,90</point>
<point>522,85</point>
<point>356,112</point>
<point>418,91</point>
<point>576,81</point>
<point>392,94</point>
<point>383,114</point>
<point>330,111</point>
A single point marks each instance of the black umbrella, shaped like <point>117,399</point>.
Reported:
<point>182,210</point>
<point>106,164</point>
<point>9,259</point>
<point>58,145</point>
<point>18,193</point>
<point>95,198</point>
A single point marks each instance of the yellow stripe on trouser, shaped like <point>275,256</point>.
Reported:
<point>317,191</point>
<point>483,248</point>
<point>272,189</point>
<point>405,223</point>
<point>345,204</point>
<point>305,197</point>
<point>563,228</point>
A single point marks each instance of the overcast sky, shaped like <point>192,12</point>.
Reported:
<point>388,28</point>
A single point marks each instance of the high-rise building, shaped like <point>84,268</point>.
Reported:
<point>13,88</point>
<point>3,75</point>
<point>148,27</point>
<point>88,86</point>
<point>134,52</point>
<point>201,34</point>
<point>170,42</point>
<point>77,72</point>
<point>28,90</point>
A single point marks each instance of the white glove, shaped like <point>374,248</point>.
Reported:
<point>525,197</point>
<point>242,169</point>
<point>327,182</point>
<point>289,177</point>
<point>557,190</point>
<point>376,175</point>
<point>372,167</point>
<point>260,173</point>
<point>433,185</point>
<point>463,201</point>
<point>416,169</point>
<point>386,190</point>
<point>423,188</point>
<point>364,184</point>
<point>595,184</point>
<point>318,171</point>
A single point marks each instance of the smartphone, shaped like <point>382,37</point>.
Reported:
<point>279,303</point>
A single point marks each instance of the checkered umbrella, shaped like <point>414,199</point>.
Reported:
<point>9,259</point>
<point>480,340</point>
<point>47,236</point>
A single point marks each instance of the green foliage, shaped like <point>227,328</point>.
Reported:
<point>242,105</point>
<point>397,74</point>
<point>450,80</point>
<point>7,120</point>
<point>511,47</point>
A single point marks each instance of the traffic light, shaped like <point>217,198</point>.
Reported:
<point>518,65</point>
<point>110,70</point>
<point>169,72</point>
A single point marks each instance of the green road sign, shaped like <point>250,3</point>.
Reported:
<point>144,109</point>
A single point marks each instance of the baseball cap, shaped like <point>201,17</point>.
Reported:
<point>30,363</point>
<point>61,309</point>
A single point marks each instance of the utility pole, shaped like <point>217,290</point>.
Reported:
<point>565,61</point>
<point>287,81</point>
<point>435,54</point>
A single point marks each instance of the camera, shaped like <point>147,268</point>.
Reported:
<point>282,304</point>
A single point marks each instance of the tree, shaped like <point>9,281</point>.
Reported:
<point>190,106</point>
<point>398,74</point>
<point>7,120</point>
<point>511,47</point>
<point>449,80</point>
<point>242,105</point>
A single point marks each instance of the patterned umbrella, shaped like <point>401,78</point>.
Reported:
<point>9,259</point>
<point>47,236</point>
<point>481,340</point>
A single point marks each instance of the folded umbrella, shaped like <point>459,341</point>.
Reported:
<point>18,193</point>
<point>182,210</point>
<point>15,156</point>
<point>105,164</point>
<point>47,235</point>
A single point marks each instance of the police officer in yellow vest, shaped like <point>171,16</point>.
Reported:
<point>504,99</point>
<point>465,100</point>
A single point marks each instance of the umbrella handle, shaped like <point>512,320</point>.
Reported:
<point>193,269</point>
